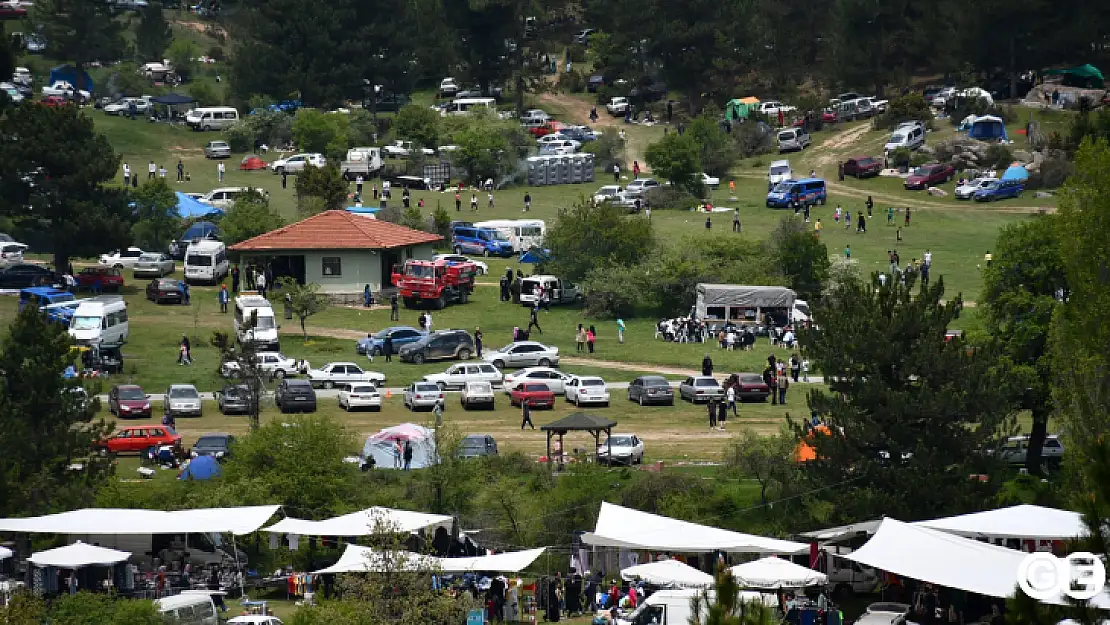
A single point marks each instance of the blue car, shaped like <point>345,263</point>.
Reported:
<point>56,303</point>
<point>999,190</point>
<point>401,335</point>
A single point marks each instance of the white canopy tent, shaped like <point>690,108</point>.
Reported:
<point>843,532</point>
<point>5,553</point>
<point>773,573</point>
<point>1023,521</point>
<point>668,574</point>
<point>937,557</point>
<point>115,521</point>
<point>367,522</point>
<point>359,559</point>
<point>622,527</point>
<point>78,555</point>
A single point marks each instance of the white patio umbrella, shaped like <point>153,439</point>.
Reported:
<point>772,573</point>
<point>668,573</point>
<point>78,555</point>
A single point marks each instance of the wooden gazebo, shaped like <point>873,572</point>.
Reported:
<point>578,422</point>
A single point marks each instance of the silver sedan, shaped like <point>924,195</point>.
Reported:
<point>150,265</point>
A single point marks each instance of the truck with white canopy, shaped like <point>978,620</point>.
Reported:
<point>748,305</point>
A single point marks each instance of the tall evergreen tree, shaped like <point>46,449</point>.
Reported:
<point>153,34</point>
<point>79,31</point>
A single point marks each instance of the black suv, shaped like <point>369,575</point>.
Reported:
<point>441,345</point>
<point>295,396</point>
<point>234,399</point>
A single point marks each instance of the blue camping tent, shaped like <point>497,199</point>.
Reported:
<point>201,468</point>
<point>1016,172</point>
<point>535,256</point>
<point>986,128</point>
<point>363,210</point>
<point>201,230</point>
<point>69,73</point>
<point>188,207</point>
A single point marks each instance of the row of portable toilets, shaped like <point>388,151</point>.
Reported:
<point>560,169</point>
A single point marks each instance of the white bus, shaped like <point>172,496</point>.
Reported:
<point>206,261</point>
<point>264,334</point>
<point>462,106</point>
<point>524,234</point>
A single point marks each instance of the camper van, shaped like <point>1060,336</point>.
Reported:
<point>100,319</point>
<point>462,106</point>
<point>561,291</point>
<point>672,607</point>
<point>524,234</point>
<point>188,608</point>
<point>206,261</point>
<point>212,118</point>
<point>264,333</point>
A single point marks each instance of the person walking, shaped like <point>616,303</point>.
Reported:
<point>533,321</point>
<point>478,340</point>
<point>890,216</point>
<point>722,415</point>
<point>180,171</point>
<point>730,397</point>
<point>458,201</point>
<point>235,279</point>
<point>817,228</point>
<point>489,199</point>
<point>151,170</point>
<point>394,313</point>
<point>784,383</point>
<point>126,175</point>
<point>708,223</point>
<point>707,365</point>
<point>428,322</point>
<point>474,202</point>
<point>769,380</point>
<point>635,169</point>
<point>840,171</point>
<point>847,220</point>
<point>907,216</point>
<point>220,171</point>
<point>861,225</point>
<point>527,202</point>
<point>870,205</point>
<point>620,331</point>
<point>186,350</point>
<point>260,282</point>
<point>367,297</point>
<point>284,179</point>
<point>848,252</point>
<point>185,291</point>
<point>358,185</point>
<point>580,339</point>
<point>795,366</point>
<point>712,410</point>
<point>408,455</point>
<point>387,347</point>
<point>526,415</point>
<point>223,298</point>
<point>616,172</point>
<point>736,220</point>
<point>591,338</point>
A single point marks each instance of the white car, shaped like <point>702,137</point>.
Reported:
<point>127,258</point>
<point>183,400</point>
<point>404,148</point>
<point>477,394</point>
<point>297,162</point>
<point>13,93</point>
<point>565,147</point>
<point>342,374</point>
<point>274,364</point>
<point>710,181</point>
<point>880,105</point>
<point>123,107</point>
<point>588,389</point>
<point>522,354</point>
<point>773,108</point>
<point>360,396</point>
<point>626,449</point>
<point>966,190</point>
<point>65,89</point>
<point>617,106</point>
<point>557,139</point>
<point>458,376</point>
<point>534,118</point>
<point>608,193</point>
<point>483,268</point>
<point>448,87</point>
<point>554,379</point>
<point>942,97</point>
<point>639,186</point>
<point>422,395</point>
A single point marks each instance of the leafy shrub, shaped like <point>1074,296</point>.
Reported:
<point>901,157</point>
<point>999,155</point>
<point>572,82</point>
<point>241,137</point>
<point>919,158</point>
<point>670,198</point>
<point>752,139</point>
<point>216,53</point>
<point>577,53</point>
<point>1053,172</point>
<point>607,150</point>
<point>911,107</point>
<point>611,291</point>
<point>204,94</point>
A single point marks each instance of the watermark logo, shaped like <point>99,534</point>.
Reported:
<point>1045,577</point>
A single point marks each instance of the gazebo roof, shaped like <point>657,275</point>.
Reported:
<point>579,421</point>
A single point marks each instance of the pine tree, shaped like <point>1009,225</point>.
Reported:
<point>153,34</point>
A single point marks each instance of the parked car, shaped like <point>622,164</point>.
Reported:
<point>595,82</point>
<point>25,275</point>
<point>297,163</point>
<point>293,395</point>
<point>700,388</point>
<point>966,190</point>
<point>588,389</point>
<point>477,446</point>
<point>547,129</point>
<point>999,190</point>
<point>122,259</point>
<point>153,264</point>
<point>554,379</point>
<point>374,344</point>
<point>341,374</point>
<point>621,449</point>
<point>217,149</point>
<point>711,182</point>
<point>439,345</point>
<point>123,106</point>
<point>582,134</point>
<point>63,89</point>
<point>128,401</point>
<point>483,268</point>
<point>422,395</point>
<point>477,393</point>
<point>218,445</point>
<point>274,364</point>
<point>607,193</point>
<point>772,108</point>
<point>863,167</point>
<point>360,396</point>
<point>557,139</point>
<point>164,290</point>
<point>885,613</point>
<point>522,354</point>
<point>183,400</point>
<point>401,149</point>
<point>1016,449</point>
<point>651,389</point>
<point>640,186</point>
<point>749,386</point>
<point>135,439</point>
<point>617,106</point>
<point>234,399</point>
<point>534,117</point>
<point>100,278</point>
<point>448,87</point>
<point>54,101</point>
<point>929,175</point>
<point>458,376</point>
<point>536,394</point>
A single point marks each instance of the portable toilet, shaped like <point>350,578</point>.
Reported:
<point>552,169</point>
<point>534,172</point>
<point>588,168</point>
<point>576,163</point>
<point>564,169</point>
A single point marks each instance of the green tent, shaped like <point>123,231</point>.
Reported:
<point>1087,76</point>
<point>739,109</point>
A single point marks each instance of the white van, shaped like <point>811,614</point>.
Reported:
<point>206,261</point>
<point>462,106</point>
<point>672,607</point>
<point>264,333</point>
<point>907,135</point>
<point>212,118</point>
<point>791,139</point>
<point>188,609</point>
<point>524,234</point>
<point>779,172</point>
<point>560,291</point>
<point>100,319</point>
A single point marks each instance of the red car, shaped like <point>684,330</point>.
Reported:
<point>862,166</point>
<point>129,401</point>
<point>749,386</point>
<point>929,175</point>
<point>547,129</point>
<point>138,438</point>
<point>106,278</point>
<point>54,101</point>
<point>537,395</point>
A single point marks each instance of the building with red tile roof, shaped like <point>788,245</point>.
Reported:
<point>339,250</point>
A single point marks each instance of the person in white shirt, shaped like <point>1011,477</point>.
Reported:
<point>428,322</point>
<point>788,338</point>
<point>358,185</point>
<point>220,171</point>
<point>126,174</point>
<point>730,397</point>
<point>162,172</point>
<point>928,258</point>
<point>151,169</point>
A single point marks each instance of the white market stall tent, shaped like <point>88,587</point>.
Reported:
<point>773,573</point>
<point>359,559</point>
<point>375,520</point>
<point>626,528</point>
<point>78,555</point>
<point>668,574</point>
<point>1022,521</point>
<point>115,521</point>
